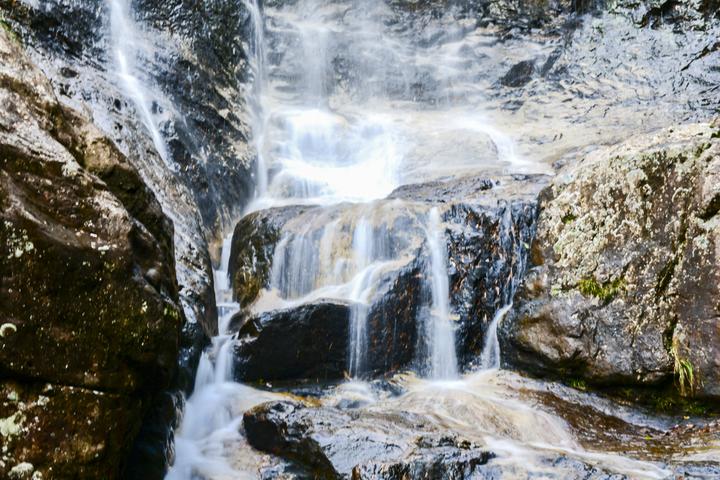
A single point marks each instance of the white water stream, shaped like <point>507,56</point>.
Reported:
<point>128,48</point>
<point>439,329</point>
<point>348,110</point>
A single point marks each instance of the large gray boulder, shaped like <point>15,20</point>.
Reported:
<point>625,280</point>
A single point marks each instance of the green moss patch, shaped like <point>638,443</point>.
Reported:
<point>606,291</point>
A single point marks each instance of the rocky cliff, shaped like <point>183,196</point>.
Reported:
<point>89,301</point>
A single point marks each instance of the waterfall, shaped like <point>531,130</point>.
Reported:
<point>440,333</point>
<point>211,410</point>
<point>363,252</point>
<point>515,253</point>
<point>490,356</point>
<point>127,47</point>
<point>258,117</point>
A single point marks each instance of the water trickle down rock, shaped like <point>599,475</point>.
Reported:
<point>487,244</point>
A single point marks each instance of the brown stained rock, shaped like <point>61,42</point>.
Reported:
<point>66,432</point>
<point>253,245</point>
<point>89,313</point>
<point>626,276</point>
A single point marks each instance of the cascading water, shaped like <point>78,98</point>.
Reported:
<point>128,47</point>
<point>213,414</point>
<point>256,97</point>
<point>490,356</point>
<point>347,108</point>
<point>440,334</point>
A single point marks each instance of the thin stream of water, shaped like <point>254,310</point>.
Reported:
<point>127,46</point>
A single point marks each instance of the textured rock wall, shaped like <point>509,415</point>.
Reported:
<point>191,57</point>
<point>624,288</point>
<point>89,308</point>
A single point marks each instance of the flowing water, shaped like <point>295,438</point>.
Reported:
<point>348,105</point>
<point>439,329</point>
<point>128,47</point>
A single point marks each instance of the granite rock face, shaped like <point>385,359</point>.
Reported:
<point>89,301</point>
<point>624,286</point>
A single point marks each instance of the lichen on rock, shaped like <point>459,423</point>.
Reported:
<point>626,265</point>
<point>89,335</point>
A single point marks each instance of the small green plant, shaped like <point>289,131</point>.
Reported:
<point>685,376</point>
<point>591,288</point>
<point>578,383</point>
<point>684,372</point>
<point>4,25</point>
<point>568,218</point>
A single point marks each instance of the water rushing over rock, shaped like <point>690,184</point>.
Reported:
<point>439,329</point>
<point>127,43</point>
<point>390,228</point>
<point>397,154</point>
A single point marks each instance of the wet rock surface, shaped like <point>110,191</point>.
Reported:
<point>488,250</point>
<point>195,61</point>
<point>335,443</point>
<point>307,342</point>
<point>198,165</point>
<point>80,231</point>
<point>489,227</point>
<point>253,246</point>
<point>625,266</point>
<point>192,63</point>
<point>310,341</point>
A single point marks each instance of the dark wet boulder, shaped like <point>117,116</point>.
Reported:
<point>393,330</point>
<point>488,250</point>
<point>89,308</point>
<point>519,74</point>
<point>311,341</point>
<point>283,344</point>
<point>624,284</point>
<point>344,444</point>
<point>305,342</point>
<point>253,245</point>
